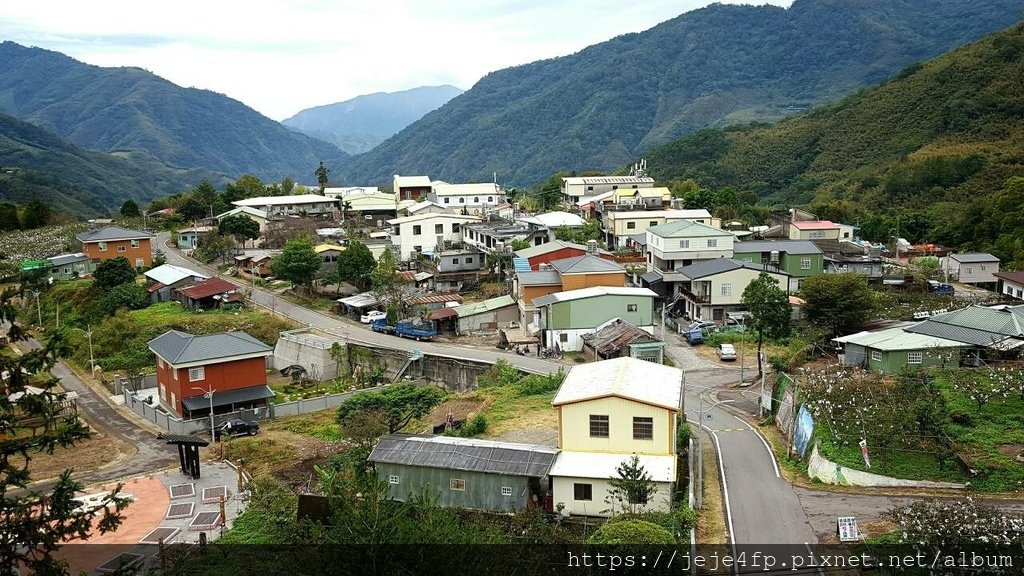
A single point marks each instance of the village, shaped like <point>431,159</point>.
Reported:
<point>503,361</point>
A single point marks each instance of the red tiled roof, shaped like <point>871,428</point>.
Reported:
<point>155,286</point>
<point>207,288</point>
<point>1017,277</point>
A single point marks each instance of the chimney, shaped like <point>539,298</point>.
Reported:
<point>592,247</point>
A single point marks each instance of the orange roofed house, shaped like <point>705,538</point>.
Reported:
<point>231,364</point>
<point>114,242</point>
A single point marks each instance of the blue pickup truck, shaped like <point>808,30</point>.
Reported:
<point>940,288</point>
<point>405,329</point>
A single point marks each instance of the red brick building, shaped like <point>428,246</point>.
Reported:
<point>231,364</point>
<point>114,242</point>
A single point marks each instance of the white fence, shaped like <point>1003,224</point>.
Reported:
<point>175,425</point>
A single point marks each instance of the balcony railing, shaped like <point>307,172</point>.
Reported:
<point>698,298</point>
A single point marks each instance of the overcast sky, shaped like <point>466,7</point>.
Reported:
<point>280,57</point>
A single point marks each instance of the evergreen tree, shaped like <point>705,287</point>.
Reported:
<point>9,217</point>
<point>769,311</point>
<point>240,226</point>
<point>113,272</point>
<point>386,282</point>
<point>321,176</point>
<point>298,263</point>
<point>130,209</point>
<point>37,214</point>
<point>356,264</point>
<point>633,488</point>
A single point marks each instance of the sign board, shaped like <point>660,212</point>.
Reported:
<point>709,416</point>
<point>846,526</point>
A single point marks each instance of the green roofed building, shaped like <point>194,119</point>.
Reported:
<point>889,351</point>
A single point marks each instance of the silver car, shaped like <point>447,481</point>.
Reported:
<point>726,352</point>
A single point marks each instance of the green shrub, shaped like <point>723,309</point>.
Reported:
<point>537,384</point>
<point>475,427</point>
<point>631,532</point>
<point>501,373</point>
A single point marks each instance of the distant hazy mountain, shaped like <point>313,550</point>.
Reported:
<point>35,162</point>
<point>361,123</point>
<point>119,109</point>
<point>723,64</point>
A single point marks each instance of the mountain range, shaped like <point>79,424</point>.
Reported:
<point>130,109</point>
<point>359,124</point>
<point>935,154</point>
<point>723,64</point>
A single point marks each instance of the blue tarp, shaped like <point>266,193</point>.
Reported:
<point>804,430</point>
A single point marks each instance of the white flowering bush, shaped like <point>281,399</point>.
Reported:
<point>36,244</point>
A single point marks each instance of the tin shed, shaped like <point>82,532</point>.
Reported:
<point>464,472</point>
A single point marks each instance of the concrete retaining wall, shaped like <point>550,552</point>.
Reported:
<point>831,473</point>
<point>307,350</point>
<point>450,373</point>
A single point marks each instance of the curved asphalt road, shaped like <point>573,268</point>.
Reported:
<point>763,508</point>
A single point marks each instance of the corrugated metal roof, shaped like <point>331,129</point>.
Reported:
<point>182,348</point>
<point>604,466</point>
<point>67,259</point>
<point>360,300</point>
<point>553,246</point>
<point>475,308</point>
<point>585,264</point>
<point>640,239</point>
<point>629,378</point>
<point>207,288</point>
<point>974,257</point>
<point>592,292</point>
<point>898,339</point>
<point>226,397</point>
<point>815,225</point>
<point>470,454</point>
<point>787,246</point>
<point>978,325</point>
<point>112,233</point>
<point>539,278</point>
<point>719,265</point>
<point>168,274</point>
<point>520,264</point>
<point>434,299</point>
<point>687,229</point>
<point>616,335</point>
<point>651,277</point>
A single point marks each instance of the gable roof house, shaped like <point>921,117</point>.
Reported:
<point>620,225</point>
<point>681,243</point>
<point>563,318</point>
<point>575,188</point>
<point>260,216</point>
<point>990,332</point>
<point>312,204</point>
<point>710,289</point>
<point>558,249</point>
<point>116,242</point>
<point>1011,284</point>
<point>488,315</point>
<point>889,351</point>
<point>208,294</point>
<point>410,187</point>
<point>427,232</point>
<point>233,365</point>
<point>476,198</point>
<point>70,266</point>
<point>463,472</point>
<point>167,278</point>
<point>797,258</point>
<point>977,268</point>
<point>608,411</point>
<point>617,338</point>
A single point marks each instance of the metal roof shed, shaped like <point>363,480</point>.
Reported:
<point>463,472</point>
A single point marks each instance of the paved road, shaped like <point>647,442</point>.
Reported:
<point>361,334</point>
<point>151,454</point>
<point>761,506</point>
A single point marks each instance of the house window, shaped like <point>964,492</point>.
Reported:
<point>393,479</point>
<point>455,260</point>
<point>438,228</point>
<point>684,244</point>
<point>175,372</point>
<point>462,200</point>
<point>582,491</point>
<point>135,243</point>
<point>726,289</point>
<point>712,243</point>
<point>163,393</point>
<point>446,200</point>
<point>563,338</point>
<point>417,249</point>
<point>816,234</point>
<point>915,357</point>
<point>197,373</point>
<point>982,267</point>
<point>630,225</point>
<point>139,262</point>
<point>159,362</point>
<point>805,263</point>
<point>416,230</point>
<point>174,399</point>
<point>652,223</point>
<point>630,307</point>
<point>476,200</point>
<point>643,428</point>
<point>598,425</point>
<point>490,199</point>
<point>747,260</point>
<point>876,356</point>
<point>469,259</point>
<point>456,227</point>
<point>590,188</point>
<point>102,246</point>
<point>968,271</point>
<point>122,248</point>
<point>506,490</point>
<point>457,484</point>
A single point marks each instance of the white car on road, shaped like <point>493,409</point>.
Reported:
<point>372,316</point>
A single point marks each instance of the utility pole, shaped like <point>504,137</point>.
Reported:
<point>663,306</point>
<point>39,308</point>
<point>760,400</point>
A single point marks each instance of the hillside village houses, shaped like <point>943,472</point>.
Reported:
<point>260,216</point>
<point>116,242</point>
<point>978,268</point>
<point>427,232</point>
<point>576,188</point>
<point>1011,284</point>
<point>309,204</point>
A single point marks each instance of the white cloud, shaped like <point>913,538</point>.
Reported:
<point>280,57</point>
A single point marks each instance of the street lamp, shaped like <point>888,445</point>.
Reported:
<point>700,449</point>
<point>92,360</point>
<point>208,393</point>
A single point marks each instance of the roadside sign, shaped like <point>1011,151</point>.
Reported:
<point>709,416</point>
<point>846,526</point>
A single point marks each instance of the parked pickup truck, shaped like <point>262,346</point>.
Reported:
<point>937,287</point>
<point>405,329</point>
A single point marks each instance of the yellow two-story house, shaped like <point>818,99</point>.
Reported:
<point>607,412</point>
